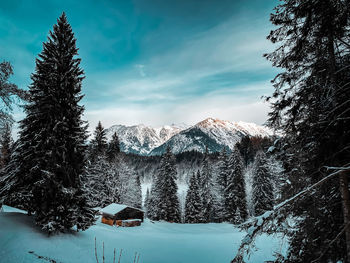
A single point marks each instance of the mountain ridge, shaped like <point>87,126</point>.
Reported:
<point>214,133</point>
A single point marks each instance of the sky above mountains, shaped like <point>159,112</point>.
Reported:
<point>153,62</point>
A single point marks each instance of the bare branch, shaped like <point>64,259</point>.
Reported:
<point>96,252</point>
<point>103,253</point>
<point>120,255</point>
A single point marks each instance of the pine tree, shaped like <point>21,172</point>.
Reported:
<point>220,186</point>
<point>194,204</point>
<point>146,203</point>
<point>9,94</point>
<point>207,185</point>
<point>138,196</point>
<point>263,195</point>
<point>234,195</point>
<point>103,175</point>
<point>102,183</point>
<point>50,155</point>
<point>113,148</point>
<point>164,201</point>
<point>129,185</point>
<point>111,183</point>
<point>99,143</point>
<point>223,169</point>
<point>310,106</point>
<point>6,143</point>
<point>151,205</point>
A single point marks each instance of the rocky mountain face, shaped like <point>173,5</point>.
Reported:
<point>141,139</point>
<point>212,133</point>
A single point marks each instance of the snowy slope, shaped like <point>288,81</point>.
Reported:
<point>157,242</point>
<point>141,139</point>
<point>213,133</point>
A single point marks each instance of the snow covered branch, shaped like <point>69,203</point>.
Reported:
<point>256,225</point>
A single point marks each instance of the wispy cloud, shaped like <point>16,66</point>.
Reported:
<point>156,62</point>
<point>219,72</point>
<point>141,69</point>
<point>218,104</point>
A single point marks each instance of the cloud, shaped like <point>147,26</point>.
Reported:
<point>141,67</point>
<point>236,44</point>
<point>205,73</point>
<point>222,105</point>
<point>216,71</point>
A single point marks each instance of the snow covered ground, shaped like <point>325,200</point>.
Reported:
<point>159,242</point>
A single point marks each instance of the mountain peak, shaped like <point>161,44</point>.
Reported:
<point>212,122</point>
<point>211,132</point>
<point>142,139</point>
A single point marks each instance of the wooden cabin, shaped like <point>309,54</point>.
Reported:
<point>122,215</point>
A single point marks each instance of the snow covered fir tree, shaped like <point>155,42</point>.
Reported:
<point>50,156</point>
<point>6,144</point>
<point>108,179</point>
<point>310,107</point>
<point>113,148</point>
<point>164,202</point>
<point>315,121</point>
<point>263,192</point>
<point>206,183</point>
<point>194,204</point>
<point>234,192</point>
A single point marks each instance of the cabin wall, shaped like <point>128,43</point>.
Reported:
<point>129,213</point>
<point>107,221</point>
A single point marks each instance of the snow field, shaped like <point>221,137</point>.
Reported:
<point>158,242</point>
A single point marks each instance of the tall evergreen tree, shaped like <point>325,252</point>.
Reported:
<point>146,203</point>
<point>194,204</point>
<point>235,196</point>
<point>6,143</point>
<point>223,169</point>
<point>102,176</point>
<point>151,208</point>
<point>113,147</point>
<point>129,184</point>
<point>99,143</point>
<point>310,106</point>
<point>220,186</point>
<point>207,187</point>
<point>102,183</point>
<point>164,201</point>
<point>138,191</point>
<point>263,195</point>
<point>50,156</point>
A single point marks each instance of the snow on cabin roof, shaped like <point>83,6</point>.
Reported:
<point>114,208</point>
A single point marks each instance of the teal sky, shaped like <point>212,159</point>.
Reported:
<point>153,61</point>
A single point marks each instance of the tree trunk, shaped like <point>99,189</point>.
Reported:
<point>344,190</point>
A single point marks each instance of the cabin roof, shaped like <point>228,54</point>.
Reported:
<point>114,208</point>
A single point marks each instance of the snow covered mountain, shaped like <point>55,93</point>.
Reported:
<point>214,133</point>
<point>141,139</point>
